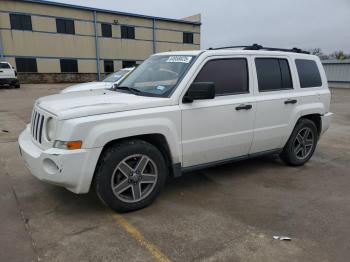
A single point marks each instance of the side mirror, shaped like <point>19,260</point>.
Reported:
<point>199,91</point>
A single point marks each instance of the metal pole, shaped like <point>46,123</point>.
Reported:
<point>154,35</point>
<point>97,48</point>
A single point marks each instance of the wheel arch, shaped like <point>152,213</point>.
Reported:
<point>316,119</point>
<point>156,139</point>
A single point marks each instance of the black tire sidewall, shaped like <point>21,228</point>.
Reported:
<point>112,158</point>
<point>288,153</point>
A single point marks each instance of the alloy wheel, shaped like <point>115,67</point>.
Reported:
<point>134,178</point>
<point>303,143</point>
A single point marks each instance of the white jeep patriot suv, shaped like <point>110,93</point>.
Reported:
<point>177,112</point>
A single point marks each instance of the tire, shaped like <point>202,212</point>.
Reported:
<point>17,86</point>
<point>135,169</point>
<point>300,145</point>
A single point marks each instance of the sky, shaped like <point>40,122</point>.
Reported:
<point>305,24</point>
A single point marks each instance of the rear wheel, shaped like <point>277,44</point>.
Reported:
<point>301,144</point>
<point>130,175</point>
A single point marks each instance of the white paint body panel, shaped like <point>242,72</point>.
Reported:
<point>197,133</point>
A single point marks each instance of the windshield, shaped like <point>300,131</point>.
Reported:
<point>114,77</point>
<point>158,75</point>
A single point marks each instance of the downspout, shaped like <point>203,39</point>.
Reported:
<point>1,49</point>
<point>97,48</point>
<point>154,35</point>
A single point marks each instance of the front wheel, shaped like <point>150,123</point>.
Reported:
<point>130,175</point>
<point>301,144</point>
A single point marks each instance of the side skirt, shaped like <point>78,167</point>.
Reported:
<point>178,170</point>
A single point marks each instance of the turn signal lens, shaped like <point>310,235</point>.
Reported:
<point>74,145</point>
<point>70,145</point>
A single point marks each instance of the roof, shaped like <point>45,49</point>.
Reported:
<point>111,12</point>
<point>235,52</point>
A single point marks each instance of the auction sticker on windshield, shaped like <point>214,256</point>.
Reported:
<point>179,59</point>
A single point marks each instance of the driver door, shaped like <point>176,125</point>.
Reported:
<point>219,129</point>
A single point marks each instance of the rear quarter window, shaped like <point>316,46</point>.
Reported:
<point>309,75</point>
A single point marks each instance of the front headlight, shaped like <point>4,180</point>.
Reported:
<point>50,128</point>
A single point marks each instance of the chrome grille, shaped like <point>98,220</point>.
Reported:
<point>37,124</point>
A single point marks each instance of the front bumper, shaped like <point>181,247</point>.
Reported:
<point>326,120</point>
<point>72,169</point>
<point>9,81</point>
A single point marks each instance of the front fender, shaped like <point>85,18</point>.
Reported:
<point>100,135</point>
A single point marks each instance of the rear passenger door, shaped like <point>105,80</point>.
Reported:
<point>276,100</point>
<point>220,128</point>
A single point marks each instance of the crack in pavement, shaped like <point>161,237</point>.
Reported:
<point>24,219</point>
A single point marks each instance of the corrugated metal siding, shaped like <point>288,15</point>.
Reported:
<point>337,71</point>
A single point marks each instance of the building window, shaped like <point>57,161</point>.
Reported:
<point>188,38</point>
<point>230,76</point>
<point>273,74</point>
<point>27,65</point>
<point>309,76</point>
<point>21,22</point>
<point>69,65</point>
<point>128,63</point>
<point>65,26</point>
<point>127,32</point>
<point>106,30</point>
<point>109,66</point>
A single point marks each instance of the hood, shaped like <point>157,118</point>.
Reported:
<point>87,86</point>
<point>87,103</point>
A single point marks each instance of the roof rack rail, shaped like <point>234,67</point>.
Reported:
<point>260,47</point>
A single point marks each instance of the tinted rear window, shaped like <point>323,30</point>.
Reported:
<point>4,66</point>
<point>273,74</point>
<point>309,76</point>
<point>230,76</point>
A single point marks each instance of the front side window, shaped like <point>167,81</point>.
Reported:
<point>27,65</point>
<point>69,65</point>
<point>230,76</point>
<point>65,26</point>
<point>127,32</point>
<point>273,74</point>
<point>21,22</point>
<point>309,76</point>
<point>158,75</point>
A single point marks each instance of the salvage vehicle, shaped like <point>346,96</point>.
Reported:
<point>111,80</point>
<point>8,75</point>
<point>179,112</point>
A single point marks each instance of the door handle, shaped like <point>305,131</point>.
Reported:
<point>244,107</point>
<point>291,101</point>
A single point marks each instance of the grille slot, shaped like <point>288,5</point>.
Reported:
<point>37,125</point>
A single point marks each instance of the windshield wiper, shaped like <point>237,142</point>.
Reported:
<point>130,89</point>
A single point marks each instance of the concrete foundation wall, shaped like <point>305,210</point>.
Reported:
<point>40,78</point>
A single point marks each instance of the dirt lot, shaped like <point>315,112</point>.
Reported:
<point>229,213</point>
